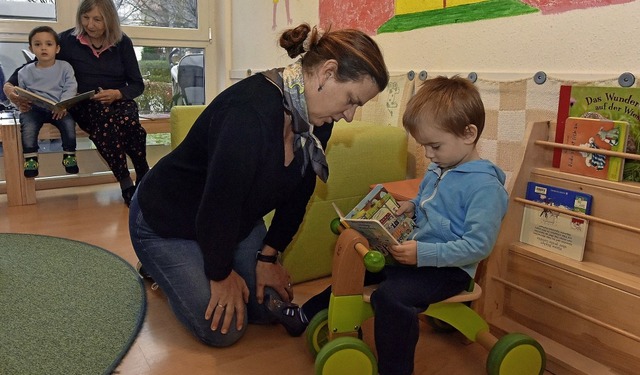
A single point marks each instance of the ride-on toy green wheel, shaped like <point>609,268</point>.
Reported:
<point>346,356</point>
<point>318,332</point>
<point>517,354</point>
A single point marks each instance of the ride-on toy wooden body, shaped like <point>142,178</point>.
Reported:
<point>333,334</point>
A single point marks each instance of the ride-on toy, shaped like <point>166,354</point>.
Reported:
<point>333,334</point>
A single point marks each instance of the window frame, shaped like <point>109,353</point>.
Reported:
<point>14,30</point>
<point>17,30</point>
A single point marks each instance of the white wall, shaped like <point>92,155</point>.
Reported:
<point>597,42</point>
<point>254,45</point>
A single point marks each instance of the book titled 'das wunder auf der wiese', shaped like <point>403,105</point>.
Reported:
<point>555,231</point>
<point>612,103</point>
<point>597,135</point>
<point>375,218</point>
<point>49,104</point>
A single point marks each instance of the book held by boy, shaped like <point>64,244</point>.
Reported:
<point>554,231</point>
<point>49,104</point>
<point>612,103</point>
<point>595,134</point>
<point>375,218</point>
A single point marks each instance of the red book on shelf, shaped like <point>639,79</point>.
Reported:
<point>596,134</point>
<point>564,103</point>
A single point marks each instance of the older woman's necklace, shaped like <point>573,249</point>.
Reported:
<point>97,47</point>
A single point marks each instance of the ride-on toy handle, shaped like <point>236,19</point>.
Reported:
<point>373,260</point>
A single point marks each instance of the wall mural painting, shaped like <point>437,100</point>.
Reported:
<point>275,12</point>
<point>385,16</point>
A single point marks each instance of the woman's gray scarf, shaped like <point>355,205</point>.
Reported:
<point>290,81</point>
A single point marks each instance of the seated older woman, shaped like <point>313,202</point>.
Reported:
<point>104,60</point>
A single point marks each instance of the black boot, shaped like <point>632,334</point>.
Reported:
<point>127,194</point>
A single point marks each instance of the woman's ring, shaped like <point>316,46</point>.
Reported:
<point>223,306</point>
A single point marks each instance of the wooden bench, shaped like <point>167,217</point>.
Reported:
<point>22,191</point>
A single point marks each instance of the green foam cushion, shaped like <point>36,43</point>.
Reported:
<point>181,119</point>
<point>359,155</point>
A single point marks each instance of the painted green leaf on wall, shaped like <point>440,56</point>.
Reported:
<point>457,14</point>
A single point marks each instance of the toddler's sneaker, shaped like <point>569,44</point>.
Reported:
<point>289,315</point>
<point>31,167</point>
<point>70,163</point>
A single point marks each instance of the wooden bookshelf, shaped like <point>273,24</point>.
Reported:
<point>584,313</point>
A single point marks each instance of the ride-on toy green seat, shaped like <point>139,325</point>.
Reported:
<point>333,334</point>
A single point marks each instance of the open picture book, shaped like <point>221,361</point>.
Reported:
<point>374,217</point>
<point>49,104</point>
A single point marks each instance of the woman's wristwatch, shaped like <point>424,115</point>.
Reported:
<point>266,258</point>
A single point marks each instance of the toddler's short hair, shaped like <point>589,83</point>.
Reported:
<point>449,103</point>
<point>44,29</point>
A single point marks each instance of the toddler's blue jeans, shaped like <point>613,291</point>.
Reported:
<point>31,122</point>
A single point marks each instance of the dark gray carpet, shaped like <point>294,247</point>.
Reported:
<point>66,307</point>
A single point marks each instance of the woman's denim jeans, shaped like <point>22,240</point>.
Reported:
<point>177,266</point>
<point>31,123</point>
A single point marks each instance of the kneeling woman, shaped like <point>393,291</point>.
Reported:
<point>196,219</point>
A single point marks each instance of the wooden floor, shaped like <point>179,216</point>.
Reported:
<point>97,215</point>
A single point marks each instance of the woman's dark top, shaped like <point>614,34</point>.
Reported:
<point>227,174</point>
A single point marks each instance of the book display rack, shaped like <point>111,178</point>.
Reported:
<point>584,313</point>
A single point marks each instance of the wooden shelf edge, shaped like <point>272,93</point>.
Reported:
<point>614,278</point>
<point>577,214</point>
<point>560,359</point>
<point>564,146</point>
<point>626,186</point>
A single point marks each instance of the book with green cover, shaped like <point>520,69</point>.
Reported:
<point>612,103</point>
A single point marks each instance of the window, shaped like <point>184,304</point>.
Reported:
<point>167,34</point>
<point>174,14</point>
<point>172,38</point>
<point>12,56</point>
<point>25,9</point>
<point>173,76</point>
